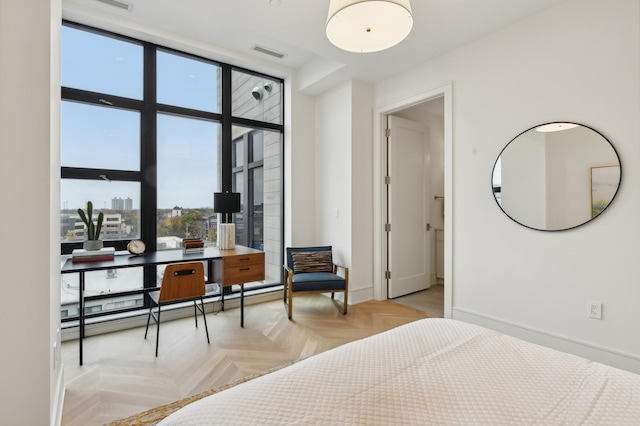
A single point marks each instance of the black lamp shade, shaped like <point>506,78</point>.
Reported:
<point>226,202</point>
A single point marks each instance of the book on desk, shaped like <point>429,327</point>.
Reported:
<point>82,255</point>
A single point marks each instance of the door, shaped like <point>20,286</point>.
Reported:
<point>408,243</point>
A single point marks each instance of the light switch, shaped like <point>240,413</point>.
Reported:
<point>336,212</point>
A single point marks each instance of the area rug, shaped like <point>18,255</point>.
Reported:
<point>153,416</point>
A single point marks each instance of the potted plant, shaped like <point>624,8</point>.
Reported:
<point>93,230</point>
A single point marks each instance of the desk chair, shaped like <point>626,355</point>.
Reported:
<point>311,270</point>
<point>181,282</point>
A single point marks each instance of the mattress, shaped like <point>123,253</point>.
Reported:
<point>432,371</point>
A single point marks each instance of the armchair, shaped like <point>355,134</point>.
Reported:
<point>311,270</point>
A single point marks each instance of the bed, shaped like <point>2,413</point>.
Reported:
<point>431,371</point>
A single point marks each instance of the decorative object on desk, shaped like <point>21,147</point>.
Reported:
<point>82,255</point>
<point>225,203</point>
<point>193,245</point>
<point>93,229</point>
<point>136,247</point>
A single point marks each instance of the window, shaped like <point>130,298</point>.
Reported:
<point>187,176</point>
<point>93,62</point>
<point>148,135</point>
<point>257,176</point>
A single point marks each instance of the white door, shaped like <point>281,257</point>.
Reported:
<point>409,248</point>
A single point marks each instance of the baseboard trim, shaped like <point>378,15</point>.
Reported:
<point>360,295</point>
<point>612,357</point>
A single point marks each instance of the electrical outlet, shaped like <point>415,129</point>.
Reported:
<point>594,310</point>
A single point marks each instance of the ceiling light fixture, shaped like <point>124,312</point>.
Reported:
<point>555,127</point>
<point>368,25</point>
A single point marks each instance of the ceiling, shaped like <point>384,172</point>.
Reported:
<point>226,30</point>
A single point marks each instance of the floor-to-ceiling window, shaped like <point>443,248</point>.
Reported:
<point>148,134</point>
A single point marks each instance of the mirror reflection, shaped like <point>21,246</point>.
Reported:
<point>556,176</point>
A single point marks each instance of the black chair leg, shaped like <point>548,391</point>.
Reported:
<point>148,319</point>
<point>158,332</point>
<point>204,317</point>
<point>195,311</point>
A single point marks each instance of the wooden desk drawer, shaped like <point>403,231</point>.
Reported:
<point>239,269</point>
<point>243,260</point>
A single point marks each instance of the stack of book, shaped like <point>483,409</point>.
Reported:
<point>81,255</point>
<point>193,245</point>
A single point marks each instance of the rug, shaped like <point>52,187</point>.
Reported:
<point>153,416</point>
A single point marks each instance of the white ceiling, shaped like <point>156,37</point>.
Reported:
<point>226,30</point>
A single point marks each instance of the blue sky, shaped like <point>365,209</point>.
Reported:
<point>101,137</point>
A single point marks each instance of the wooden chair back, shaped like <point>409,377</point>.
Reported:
<point>182,281</point>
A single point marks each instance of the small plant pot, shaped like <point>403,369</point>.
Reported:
<point>92,245</point>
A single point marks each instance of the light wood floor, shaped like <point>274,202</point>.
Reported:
<point>121,376</point>
<point>430,300</point>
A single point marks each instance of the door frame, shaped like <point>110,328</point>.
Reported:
<point>380,197</point>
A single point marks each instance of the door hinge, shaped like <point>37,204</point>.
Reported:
<point>387,227</point>
<point>387,180</point>
<point>387,275</point>
<point>428,227</point>
<point>387,132</point>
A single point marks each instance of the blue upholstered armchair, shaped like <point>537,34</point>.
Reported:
<point>311,270</point>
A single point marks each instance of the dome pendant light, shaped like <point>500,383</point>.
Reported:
<point>368,25</point>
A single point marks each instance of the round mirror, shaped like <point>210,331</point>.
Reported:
<point>556,176</point>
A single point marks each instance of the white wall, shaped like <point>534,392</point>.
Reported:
<point>577,62</point>
<point>344,191</point>
<point>30,176</point>
<point>361,257</point>
<point>300,176</point>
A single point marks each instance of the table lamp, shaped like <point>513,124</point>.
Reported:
<point>225,203</point>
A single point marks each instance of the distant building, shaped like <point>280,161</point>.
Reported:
<point>122,204</point>
<point>111,227</point>
<point>176,212</point>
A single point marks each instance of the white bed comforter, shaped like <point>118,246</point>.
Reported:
<point>432,371</point>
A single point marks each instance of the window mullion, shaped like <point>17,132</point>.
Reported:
<point>227,144</point>
<point>148,160</point>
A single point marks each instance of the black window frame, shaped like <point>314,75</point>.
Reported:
<point>149,108</point>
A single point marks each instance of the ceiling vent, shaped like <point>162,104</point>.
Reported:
<point>119,4</point>
<point>267,51</point>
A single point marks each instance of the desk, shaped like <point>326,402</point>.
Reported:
<point>226,267</point>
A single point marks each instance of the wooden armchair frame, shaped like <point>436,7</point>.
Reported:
<point>315,282</point>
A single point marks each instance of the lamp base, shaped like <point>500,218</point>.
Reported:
<point>226,236</point>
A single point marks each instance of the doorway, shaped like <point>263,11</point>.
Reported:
<point>433,111</point>
<point>415,206</point>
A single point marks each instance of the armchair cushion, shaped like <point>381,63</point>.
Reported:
<point>312,261</point>
<point>317,281</point>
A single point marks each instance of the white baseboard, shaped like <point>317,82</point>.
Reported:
<point>586,350</point>
<point>58,399</point>
<point>361,295</point>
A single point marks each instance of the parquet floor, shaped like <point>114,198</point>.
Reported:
<point>121,376</point>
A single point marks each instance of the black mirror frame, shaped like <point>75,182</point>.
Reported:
<point>493,188</point>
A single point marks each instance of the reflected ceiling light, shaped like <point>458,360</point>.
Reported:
<point>555,127</point>
<point>368,25</point>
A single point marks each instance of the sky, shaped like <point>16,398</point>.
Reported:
<point>101,137</point>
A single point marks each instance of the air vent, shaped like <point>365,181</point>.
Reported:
<point>267,51</point>
<point>119,4</point>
